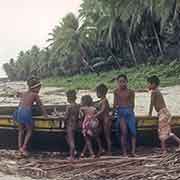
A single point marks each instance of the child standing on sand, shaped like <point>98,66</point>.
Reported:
<point>124,112</point>
<point>164,116</point>
<point>103,114</point>
<point>71,120</point>
<point>90,126</point>
<point>23,114</point>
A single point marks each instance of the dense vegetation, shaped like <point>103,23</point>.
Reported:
<point>108,34</point>
<point>169,75</point>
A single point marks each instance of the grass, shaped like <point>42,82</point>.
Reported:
<point>169,76</point>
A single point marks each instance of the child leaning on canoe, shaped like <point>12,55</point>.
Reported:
<point>95,121</point>
<point>23,114</point>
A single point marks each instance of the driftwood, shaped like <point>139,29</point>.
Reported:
<point>149,166</point>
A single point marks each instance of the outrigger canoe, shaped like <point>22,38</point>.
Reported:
<point>50,135</point>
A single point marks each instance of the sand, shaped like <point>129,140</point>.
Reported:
<point>56,96</point>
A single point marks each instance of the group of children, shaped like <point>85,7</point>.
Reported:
<point>95,120</point>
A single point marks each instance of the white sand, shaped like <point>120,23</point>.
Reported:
<point>54,95</point>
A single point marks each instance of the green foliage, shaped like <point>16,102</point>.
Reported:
<point>169,75</point>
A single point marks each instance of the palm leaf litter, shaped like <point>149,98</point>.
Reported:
<point>150,165</point>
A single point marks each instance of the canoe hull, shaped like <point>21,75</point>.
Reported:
<point>48,140</point>
<point>48,134</point>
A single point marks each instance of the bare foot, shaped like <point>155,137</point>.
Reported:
<point>125,155</point>
<point>164,153</point>
<point>24,152</point>
<point>101,152</point>
<point>93,156</point>
<point>178,149</point>
<point>133,154</point>
<point>70,158</point>
<point>82,155</point>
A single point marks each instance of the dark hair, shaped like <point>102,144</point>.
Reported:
<point>71,94</point>
<point>87,100</point>
<point>153,79</point>
<point>102,89</point>
<point>33,82</point>
<point>122,76</point>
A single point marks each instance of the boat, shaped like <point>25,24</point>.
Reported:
<point>50,134</point>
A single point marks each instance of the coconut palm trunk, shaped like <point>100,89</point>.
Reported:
<point>158,40</point>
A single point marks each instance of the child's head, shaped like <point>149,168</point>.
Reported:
<point>101,90</point>
<point>122,81</point>
<point>71,96</point>
<point>86,100</point>
<point>34,84</point>
<point>153,82</point>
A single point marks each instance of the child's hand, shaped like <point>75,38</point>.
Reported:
<point>18,94</point>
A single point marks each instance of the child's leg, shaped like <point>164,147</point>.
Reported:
<point>99,145</point>
<point>133,143</point>
<point>70,138</point>
<point>107,133</point>
<point>20,135</point>
<point>27,136</point>
<point>123,128</point>
<point>163,146</point>
<point>84,150</point>
<point>89,145</point>
<point>177,139</point>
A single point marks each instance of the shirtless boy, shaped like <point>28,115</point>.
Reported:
<point>103,114</point>
<point>23,115</point>
<point>71,119</point>
<point>164,116</point>
<point>124,113</point>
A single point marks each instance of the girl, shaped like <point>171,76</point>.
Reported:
<point>90,125</point>
<point>23,114</point>
<point>125,118</point>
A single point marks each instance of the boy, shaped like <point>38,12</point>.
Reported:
<point>23,115</point>
<point>124,113</point>
<point>164,116</point>
<point>71,119</point>
<point>103,114</point>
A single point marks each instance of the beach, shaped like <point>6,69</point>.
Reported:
<point>56,96</point>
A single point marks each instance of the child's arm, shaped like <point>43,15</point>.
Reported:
<point>115,103</point>
<point>40,104</point>
<point>132,100</point>
<point>19,94</point>
<point>151,104</point>
<point>67,113</point>
<point>101,111</point>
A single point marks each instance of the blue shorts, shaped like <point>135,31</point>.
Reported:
<point>128,115</point>
<point>23,115</point>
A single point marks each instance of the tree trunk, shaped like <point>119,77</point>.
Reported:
<point>158,40</point>
<point>132,51</point>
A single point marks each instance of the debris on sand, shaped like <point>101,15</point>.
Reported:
<point>151,166</point>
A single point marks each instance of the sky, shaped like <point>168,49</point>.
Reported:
<point>25,23</point>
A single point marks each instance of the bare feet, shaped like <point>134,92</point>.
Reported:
<point>125,155</point>
<point>133,154</point>
<point>82,155</point>
<point>178,149</point>
<point>93,156</point>
<point>24,152</point>
<point>70,158</point>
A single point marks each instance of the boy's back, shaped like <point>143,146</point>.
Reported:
<point>28,98</point>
